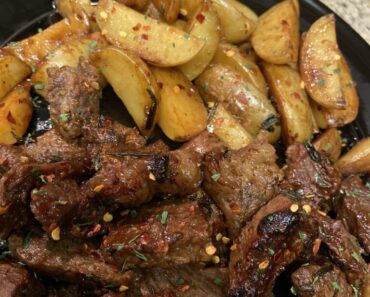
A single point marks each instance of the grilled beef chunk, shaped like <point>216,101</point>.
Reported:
<point>343,247</point>
<point>51,147</point>
<point>321,279</point>
<point>274,238</point>
<point>68,260</point>
<point>353,208</point>
<point>181,281</point>
<point>168,233</point>
<point>73,94</point>
<point>242,181</point>
<point>56,203</point>
<point>16,281</point>
<point>309,174</point>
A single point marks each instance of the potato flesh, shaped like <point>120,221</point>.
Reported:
<point>276,38</point>
<point>156,42</point>
<point>182,114</point>
<point>206,26</point>
<point>15,114</point>
<point>292,102</point>
<point>329,143</point>
<point>357,160</point>
<point>135,86</point>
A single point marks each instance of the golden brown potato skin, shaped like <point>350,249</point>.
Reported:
<point>329,143</point>
<point>357,160</point>
<point>15,113</point>
<point>136,4</point>
<point>221,83</point>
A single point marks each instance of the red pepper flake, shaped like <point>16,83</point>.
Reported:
<point>107,123</point>
<point>136,27</point>
<point>242,98</point>
<point>184,288</point>
<point>192,208</point>
<point>49,178</point>
<point>200,18</point>
<point>10,118</point>
<point>181,86</point>
<point>95,230</point>
<point>146,28</point>
<point>2,104</point>
<point>160,85</point>
<point>145,36</point>
<point>296,95</point>
<point>219,121</point>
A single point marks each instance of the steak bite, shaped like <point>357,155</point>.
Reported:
<point>242,181</point>
<point>165,234</point>
<point>72,261</point>
<point>322,279</point>
<point>73,94</point>
<point>273,239</point>
<point>353,209</point>
<point>16,281</point>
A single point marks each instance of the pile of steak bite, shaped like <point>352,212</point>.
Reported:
<point>90,209</point>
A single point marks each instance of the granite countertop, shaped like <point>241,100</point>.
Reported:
<point>354,12</point>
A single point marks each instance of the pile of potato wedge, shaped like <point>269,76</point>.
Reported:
<point>194,65</point>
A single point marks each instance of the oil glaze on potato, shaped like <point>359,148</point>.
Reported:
<point>292,102</point>
<point>182,114</point>
<point>205,25</point>
<point>329,143</point>
<point>15,113</point>
<point>156,42</point>
<point>276,38</point>
<point>134,84</point>
<point>357,160</point>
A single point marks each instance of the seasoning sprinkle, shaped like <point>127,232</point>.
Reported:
<point>216,259</point>
<point>183,12</point>
<point>98,188</point>
<point>108,217</point>
<point>39,86</point>
<point>271,251</point>
<point>355,256</point>
<point>55,234</point>
<point>336,286</point>
<point>218,236</point>
<point>294,207</point>
<point>64,117</point>
<point>264,264</point>
<point>176,89</point>
<point>163,217</point>
<point>307,208</point>
<point>24,159</point>
<point>152,176</point>
<point>122,33</point>
<point>216,176</point>
<point>122,288</point>
<point>233,247</point>
<point>230,53</point>
<point>103,14</point>
<point>225,240</point>
<point>93,44</point>
<point>321,213</point>
<point>211,250</point>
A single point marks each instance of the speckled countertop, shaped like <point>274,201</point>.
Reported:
<point>354,12</point>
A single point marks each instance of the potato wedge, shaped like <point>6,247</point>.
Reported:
<point>15,114</point>
<point>320,64</point>
<point>12,72</point>
<point>156,42</point>
<point>139,5</point>
<point>329,143</point>
<point>168,8</point>
<point>228,129</point>
<point>245,10</point>
<point>182,114</point>
<point>329,117</point>
<point>235,26</point>
<point>80,8</point>
<point>292,102</point>
<point>228,54</point>
<point>135,86</point>
<point>205,25</point>
<point>357,160</point>
<point>276,38</point>
<point>35,48</point>
<point>221,83</point>
<point>67,55</point>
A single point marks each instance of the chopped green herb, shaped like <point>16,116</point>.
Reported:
<point>180,281</point>
<point>302,235</point>
<point>327,146</point>
<point>248,66</point>
<point>341,248</point>
<point>64,117</point>
<point>270,218</point>
<point>205,86</point>
<point>216,176</point>
<point>123,268</point>
<point>349,85</point>
<point>247,88</point>
<point>218,281</point>
<point>336,287</point>
<point>355,290</point>
<point>61,202</point>
<point>39,30</point>
<point>39,86</point>
<point>187,35</point>
<point>36,171</point>
<point>355,256</point>
<point>321,82</point>
<point>118,246</point>
<point>293,291</point>
<point>173,44</point>
<point>93,44</point>
<point>14,45</point>
<point>271,251</point>
<point>337,70</point>
<point>140,255</point>
<point>33,68</point>
<point>36,101</point>
<point>27,240</point>
<point>163,217</point>
<point>135,237</point>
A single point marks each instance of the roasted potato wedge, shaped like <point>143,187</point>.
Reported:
<point>205,25</point>
<point>67,55</point>
<point>228,129</point>
<point>168,8</point>
<point>80,8</point>
<point>156,42</point>
<point>182,114</point>
<point>235,26</point>
<point>15,114</point>
<point>329,143</point>
<point>357,160</point>
<point>12,72</point>
<point>35,48</point>
<point>134,84</point>
<point>136,4</point>
<point>320,64</point>
<point>292,102</point>
<point>221,83</point>
<point>228,54</point>
<point>329,117</point>
<point>276,38</point>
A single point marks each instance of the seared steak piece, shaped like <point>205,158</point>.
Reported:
<point>181,281</point>
<point>166,234</point>
<point>273,239</point>
<point>56,203</point>
<point>242,181</point>
<point>67,260</point>
<point>321,280</point>
<point>51,147</point>
<point>16,281</point>
<point>353,208</point>
<point>343,247</point>
<point>73,94</point>
<point>309,174</point>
